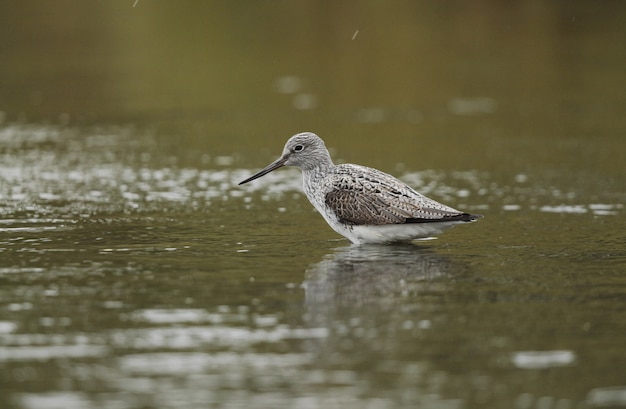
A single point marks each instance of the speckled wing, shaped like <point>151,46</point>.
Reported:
<point>359,195</point>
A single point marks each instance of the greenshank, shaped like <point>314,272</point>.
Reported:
<point>363,204</point>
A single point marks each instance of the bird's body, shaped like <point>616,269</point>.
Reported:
<point>363,204</point>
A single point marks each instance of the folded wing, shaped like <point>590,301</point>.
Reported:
<point>364,196</point>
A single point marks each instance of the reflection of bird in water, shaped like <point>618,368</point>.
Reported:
<point>361,275</point>
<point>363,204</point>
<point>373,300</point>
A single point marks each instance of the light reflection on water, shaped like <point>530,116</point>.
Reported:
<point>87,180</point>
<point>131,284</point>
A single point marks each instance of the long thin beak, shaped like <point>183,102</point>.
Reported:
<point>278,163</point>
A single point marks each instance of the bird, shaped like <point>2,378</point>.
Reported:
<point>363,204</point>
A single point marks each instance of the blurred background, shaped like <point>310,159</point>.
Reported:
<point>136,273</point>
<point>239,77</point>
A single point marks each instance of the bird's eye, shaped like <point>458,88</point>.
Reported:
<point>298,148</point>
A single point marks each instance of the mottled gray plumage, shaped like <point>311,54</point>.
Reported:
<point>361,195</point>
<point>363,204</point>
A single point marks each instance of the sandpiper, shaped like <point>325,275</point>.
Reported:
<point>363,204</point>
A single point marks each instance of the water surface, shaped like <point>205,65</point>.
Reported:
<point>135,272</point>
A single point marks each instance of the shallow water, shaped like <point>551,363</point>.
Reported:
<point>136,273</point>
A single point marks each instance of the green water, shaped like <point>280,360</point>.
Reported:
<point>136,273</point>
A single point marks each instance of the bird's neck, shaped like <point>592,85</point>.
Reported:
<point>313,175</point>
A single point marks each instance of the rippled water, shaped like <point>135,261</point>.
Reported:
<point>136,273</point>
<point>126,284</point>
